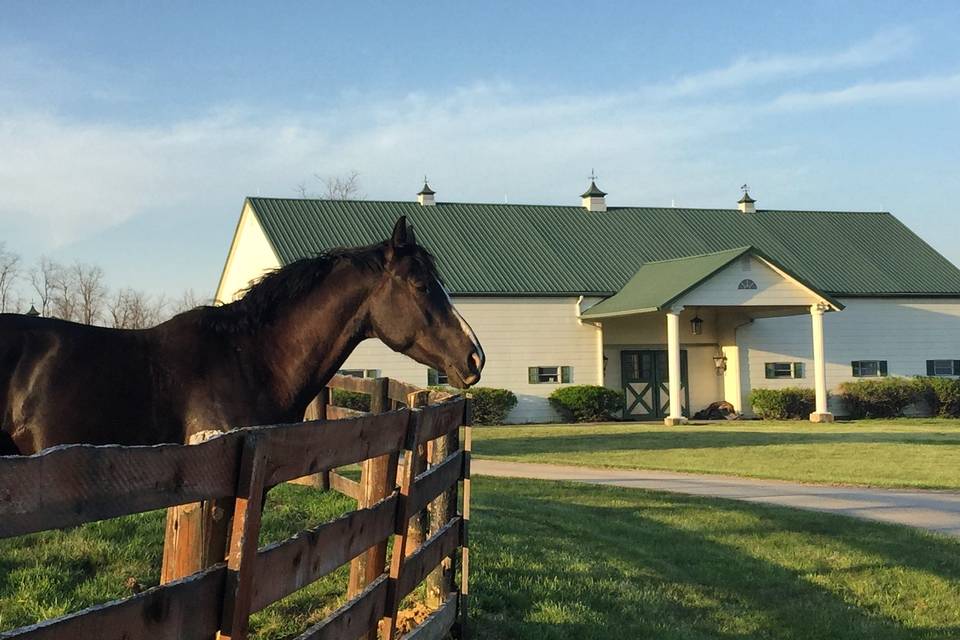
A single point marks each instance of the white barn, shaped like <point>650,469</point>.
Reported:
<point>726,300</point>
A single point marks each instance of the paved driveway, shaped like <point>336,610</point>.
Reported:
<point>933,510</point>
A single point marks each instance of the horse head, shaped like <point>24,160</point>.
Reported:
<point>412,313</point>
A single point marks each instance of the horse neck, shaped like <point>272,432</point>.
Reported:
<point>313,336</point>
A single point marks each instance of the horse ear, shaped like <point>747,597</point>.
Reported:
<point>399,235</point>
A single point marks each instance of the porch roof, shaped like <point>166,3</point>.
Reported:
<point>657,285</point>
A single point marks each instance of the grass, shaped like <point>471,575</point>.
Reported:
<point>558,560</point>
<point>882,453</point>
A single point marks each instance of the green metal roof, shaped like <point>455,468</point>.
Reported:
<point>508,249</point>
<point>656,285</point>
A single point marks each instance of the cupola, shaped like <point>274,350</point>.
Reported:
<point>425,197</point>
<point>746,203</point>
<point>593,199</point>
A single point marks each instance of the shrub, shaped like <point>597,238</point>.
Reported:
<point>790,403</point>
<point>880,397</point>
<point>587,403</point>
<point>942,395</point>
<point>491,406</point>
<point>350,400</point>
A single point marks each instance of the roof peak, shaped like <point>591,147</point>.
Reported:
<point>426,191</point>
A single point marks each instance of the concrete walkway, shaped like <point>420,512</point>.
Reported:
<point>934,510</point>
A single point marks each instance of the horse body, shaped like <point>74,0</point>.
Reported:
<point>259,360</point>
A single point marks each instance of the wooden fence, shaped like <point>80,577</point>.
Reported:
<point>214,575</point>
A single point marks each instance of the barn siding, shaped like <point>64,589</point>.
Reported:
<point>772,288</point>
<point>250,257</point>
<point>904,332</point>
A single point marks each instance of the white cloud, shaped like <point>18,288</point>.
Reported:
<point>758,69</point>
<point>933,87</point>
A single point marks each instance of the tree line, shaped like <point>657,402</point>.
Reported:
<point>78,292</point>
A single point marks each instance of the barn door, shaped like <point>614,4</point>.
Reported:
<point>646,384</point>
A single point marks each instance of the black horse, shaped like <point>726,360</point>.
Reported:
<point>259,360</point>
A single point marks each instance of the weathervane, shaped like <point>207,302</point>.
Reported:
<point>744,187</point>
<point>593,175</point>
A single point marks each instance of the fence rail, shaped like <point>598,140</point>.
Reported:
<point>213,582</point>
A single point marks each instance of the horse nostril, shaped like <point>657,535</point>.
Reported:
<point>477,361</point>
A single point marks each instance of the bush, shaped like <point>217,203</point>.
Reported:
<point>491,406</point>
<point>942,395</point>
<point>880,397</point>
<point>790,403</point>
<point>350,399</point>
<point>587,403</point>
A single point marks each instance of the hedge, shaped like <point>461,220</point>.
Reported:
<point>587,403</point>
<point>881,397</point>
<point>790,403</point>
<point>942,395</point>
<point>350,399</point>
<point>491,406</point>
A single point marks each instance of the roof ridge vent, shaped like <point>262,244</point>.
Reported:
<point>746,203</point>
<point>593,199</point>
<point>425,197</point>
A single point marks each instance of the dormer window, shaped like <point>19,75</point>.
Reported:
<point>747,283</point>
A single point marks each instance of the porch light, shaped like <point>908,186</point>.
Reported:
<point>720,362</point>
<point>696,326</point>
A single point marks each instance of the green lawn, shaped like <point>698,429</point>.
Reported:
<point>557,560</point>
<point>882,453</point>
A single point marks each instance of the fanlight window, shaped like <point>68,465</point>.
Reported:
<point>747,284</point>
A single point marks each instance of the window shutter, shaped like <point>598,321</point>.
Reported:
<point>855,366</point>
<point>797,369</point>
<point>956,367</point>
<point>931,371</point>
<point>883,367</point>
<point>532,375</point>
<point>566,374</point>
<point>769,371</point>
<point>432,379</point>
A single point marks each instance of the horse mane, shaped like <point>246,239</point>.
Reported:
<point>264,299</point>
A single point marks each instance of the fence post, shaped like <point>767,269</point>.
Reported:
<point>419,522</point>
<point>317,410</point>
<point>441,581</point>
<point>244,538</point>
<point>377,481</point>
<point>196,533</point>
<point>464,534</point>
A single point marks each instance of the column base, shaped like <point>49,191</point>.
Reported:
<point>673,422</point>
<point>826,416</point>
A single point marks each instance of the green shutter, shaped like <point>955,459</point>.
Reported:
<point>533,376</point>
<point>930,370</point>
<point>797,369</point>
<point>883,367</point>
<point>769,371</point>
<point>956,367</point>
<point>855,366</point>
<point>566,374</point>
<point>432,378</point>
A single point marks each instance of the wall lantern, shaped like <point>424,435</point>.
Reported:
<point>720,362</point>
<point>696,326</point>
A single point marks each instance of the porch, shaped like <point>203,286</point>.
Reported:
<point>678,320</point>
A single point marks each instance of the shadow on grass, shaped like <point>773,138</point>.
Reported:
<point>563,561</point>
<point>559,442</point>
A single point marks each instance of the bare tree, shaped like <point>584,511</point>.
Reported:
<point>9,275</point>
<point>90,290</point>
<point>42,277</point>
<point>133,309</point>
<point>190,299</point>
<point>345,187</point>
<point>65,301</point>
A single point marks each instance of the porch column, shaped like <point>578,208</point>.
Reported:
<point>819,367</point>
<point>673,366</point>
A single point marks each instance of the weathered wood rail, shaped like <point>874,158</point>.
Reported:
<point>213,575</point>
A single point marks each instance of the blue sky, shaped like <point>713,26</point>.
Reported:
<point>129,135</point>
